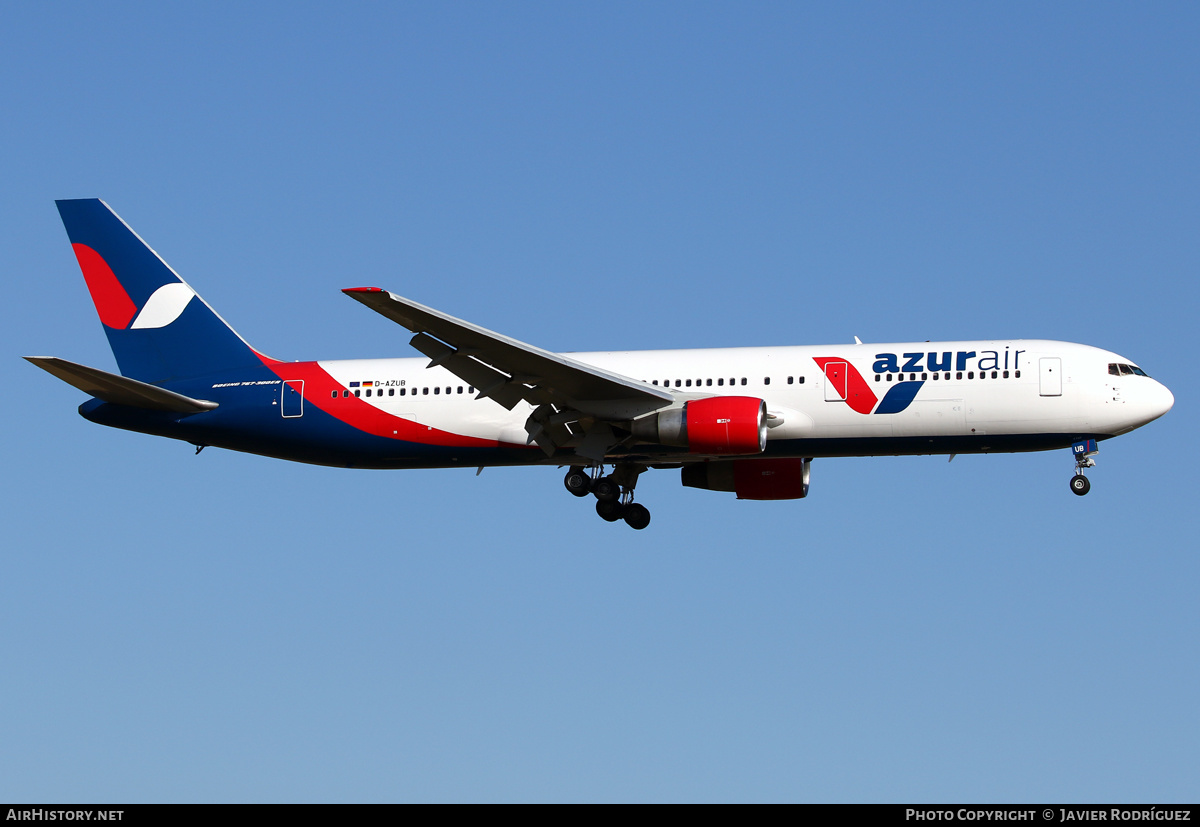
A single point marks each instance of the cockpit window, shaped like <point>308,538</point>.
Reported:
<point>1126,370</point>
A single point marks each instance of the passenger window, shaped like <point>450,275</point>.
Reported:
<point>1018,374</point>
<point>688,383</point>
<point>402,391</point>
<point>655,382</point>
<point>345,394</point>
<point>436,391</point>
<point>790,380</point>
<point>970,374</point>
<point>708,383</point>
<point>358,393</point>
<point>677,383</point>
<point>925,376</point>
<point>743,380</point>
<point>460,388</point>
<point>721,382</point>
<point>1005,374</point>
<point>993,374</point>
<point>889,377</point>
<point>958,375</point>
<point>335,395</point>
<point>391,391</point>
<point>801,380</point>
<point>424,391</point>
<point>877,379</point>
<point>766,380</point>
<point>935,376</point>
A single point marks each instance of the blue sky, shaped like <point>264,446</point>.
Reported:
<point>611,176</point>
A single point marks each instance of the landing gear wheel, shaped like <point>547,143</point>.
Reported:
<point>578,482</point>
<point>637,516</point>
<point>606,490</point>
<point>1080,485</point>
<point>610,510</point>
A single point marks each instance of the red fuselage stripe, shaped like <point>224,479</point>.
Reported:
<point>318,390</point>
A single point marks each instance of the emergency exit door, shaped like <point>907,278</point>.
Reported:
<point>835,381</point>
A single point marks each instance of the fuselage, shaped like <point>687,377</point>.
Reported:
<point>822,401</point>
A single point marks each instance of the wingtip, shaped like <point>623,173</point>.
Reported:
<point>362,290</point>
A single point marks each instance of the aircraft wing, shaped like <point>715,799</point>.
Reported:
<point>513,370</point>
<point>508,371</point>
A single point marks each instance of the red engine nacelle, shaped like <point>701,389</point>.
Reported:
<point>716,425</point>
<point>752,479</point>
<point>727,425</point>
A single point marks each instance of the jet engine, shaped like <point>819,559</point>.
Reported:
<point>716,425</point>
<point>751,479</point>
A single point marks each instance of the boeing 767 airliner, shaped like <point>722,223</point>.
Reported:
<point>745,420</point>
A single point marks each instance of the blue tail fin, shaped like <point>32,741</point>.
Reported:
<point>159,329</point>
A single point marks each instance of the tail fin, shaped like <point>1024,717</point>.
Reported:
<point>157,326</point>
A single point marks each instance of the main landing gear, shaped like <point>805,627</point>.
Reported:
<point>1085,452</point>
<point>613,493</point>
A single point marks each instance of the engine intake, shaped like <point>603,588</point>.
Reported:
<point>717,425</point>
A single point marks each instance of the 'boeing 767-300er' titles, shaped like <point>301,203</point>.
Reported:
<point>745,420</point>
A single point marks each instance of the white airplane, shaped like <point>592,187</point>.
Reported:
<point>745,420</point>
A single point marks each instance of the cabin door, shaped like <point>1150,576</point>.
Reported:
<point>1050,370</point>
<point>291,398</point>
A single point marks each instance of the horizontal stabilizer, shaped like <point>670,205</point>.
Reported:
<point>119,390</point>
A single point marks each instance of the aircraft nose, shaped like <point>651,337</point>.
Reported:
<point>1161,400</point>
<point>1144,402</point>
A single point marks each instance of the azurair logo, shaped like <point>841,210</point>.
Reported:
<point>117,310</point>
<point>848,385</point>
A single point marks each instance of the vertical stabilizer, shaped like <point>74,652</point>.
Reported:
<point>157,326</point>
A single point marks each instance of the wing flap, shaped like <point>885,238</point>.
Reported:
<point>487,381</point>
<point>119,390</point>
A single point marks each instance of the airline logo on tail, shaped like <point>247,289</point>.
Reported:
<point>848,385</point>
<point>116,309</point>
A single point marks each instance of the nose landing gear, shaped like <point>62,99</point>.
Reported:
<point>1085,450</point>
<point>613,493</point>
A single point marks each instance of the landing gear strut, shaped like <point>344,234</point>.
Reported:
<point>1085,450</point>
<point>613,493</point>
